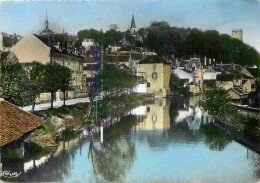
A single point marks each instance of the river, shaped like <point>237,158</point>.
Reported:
<point>162,140</point>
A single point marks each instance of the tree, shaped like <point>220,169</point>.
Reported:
<point>174,83</point>
<point>113,27</point>
<point>38,79</point>
<point>15,85</point>
<point>216,102</point>
<point>64,76</point>
<point>53,82</point>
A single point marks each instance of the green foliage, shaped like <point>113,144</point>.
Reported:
<point>216,102</point>
<point>52,73</point>
<point>216,138</point>
<point>114,79</point>
<point>36,151</point>
<point>138,44</point>
<point>176,86</point>
<point>109,37</point>
<point>174,83</point>
<point>15,84</point>
<point>7,42</point>
<point>184,91</point>
<point>166,40</point>
<point>37,79</point>
<point>64,75</point>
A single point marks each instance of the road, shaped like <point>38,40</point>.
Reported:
<point>56,104</point>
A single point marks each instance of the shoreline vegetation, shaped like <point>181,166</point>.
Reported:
<point>217,105</point>
<point>66,122</point>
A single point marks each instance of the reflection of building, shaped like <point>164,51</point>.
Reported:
<point>157,116</point>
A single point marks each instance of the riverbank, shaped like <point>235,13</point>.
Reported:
<point>65,122</point>
<point>246,129</point>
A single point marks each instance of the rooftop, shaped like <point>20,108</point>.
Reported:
<point>153,59</point>
<point>15,122</point>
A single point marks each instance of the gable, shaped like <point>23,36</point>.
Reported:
<point>30,49</point>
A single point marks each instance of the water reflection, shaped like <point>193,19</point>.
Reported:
<point>161,140</point>
<point>157,116</point>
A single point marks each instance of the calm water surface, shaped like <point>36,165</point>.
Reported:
<point>160,141</point>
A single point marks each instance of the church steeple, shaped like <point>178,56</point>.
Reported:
<point>46,31</point>
<point>46,21</point>
<point>133,22</point>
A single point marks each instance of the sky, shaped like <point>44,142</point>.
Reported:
<point>25,17</point>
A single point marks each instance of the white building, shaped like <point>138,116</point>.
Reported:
<point>87,43</point>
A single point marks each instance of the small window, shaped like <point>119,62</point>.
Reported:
<point>148,84</point>
<point>154,75</point>
<point>148,109</point>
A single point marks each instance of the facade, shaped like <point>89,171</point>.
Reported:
<point>246,85</point>
<point>157,74</point>
<point>237,95</point>
<point>34,48</point>
<point>114,48</point>
<point>209,74</point>
<point>225,81</point>
<point>251,74</point>
<point>147,53</point>
<point>87,43</point>
<point>237,34</point>
<point>194,89</point>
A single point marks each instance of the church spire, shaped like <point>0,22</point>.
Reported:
<point>133,22</point>
<point>46,21</point>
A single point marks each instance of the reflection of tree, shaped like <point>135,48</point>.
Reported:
<point>216,138</point>
<point>173,112</point>
<point>117,155</point>
<point>55,169</point>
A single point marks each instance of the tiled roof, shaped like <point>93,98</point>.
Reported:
<point>15,122</point>
<point>210,70</point>
<point>117,58</point>
<point>152,60</point>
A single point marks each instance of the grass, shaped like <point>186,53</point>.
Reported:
<point>77,113</point>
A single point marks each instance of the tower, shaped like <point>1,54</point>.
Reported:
<point>46,31</point>
<point>238,34</point>
<point>46,23</point>
<point>133,28</point>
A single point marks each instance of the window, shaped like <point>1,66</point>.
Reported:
<point>148,84</point>
<point>148,109</point>
<point>154,75</point>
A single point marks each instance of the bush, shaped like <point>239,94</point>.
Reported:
<point>216,102</point>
